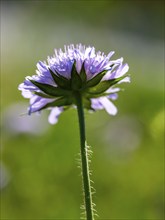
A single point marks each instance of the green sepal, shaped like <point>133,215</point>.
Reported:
<point>43,95</point>
<point>83,74</point>
<point>96,79</point>
<point>61,81</point>
<point>93,95</point>
<point>63,101</point>
<point>103,86</point>
<point>76,82</point>
<point>87,103</point>
<point>49,90</point>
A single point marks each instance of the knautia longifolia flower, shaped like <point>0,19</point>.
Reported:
<point>77,69</point>
<point>79,77</point>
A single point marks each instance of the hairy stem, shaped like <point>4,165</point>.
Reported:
<point>84,159</point>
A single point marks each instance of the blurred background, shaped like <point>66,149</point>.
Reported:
<point>40,178</point>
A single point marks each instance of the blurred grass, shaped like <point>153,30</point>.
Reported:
<point>43,178</point>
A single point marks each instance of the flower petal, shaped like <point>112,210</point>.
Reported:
<point>126,79</point>
<point>54,115</point>
<point>37,102</point>
<point>108,105</point>
<point>27,94</point>
<point>96,104</point>
<point>113,96</point>
<point>120,71</point>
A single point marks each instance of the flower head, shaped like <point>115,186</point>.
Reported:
<point>77,69</point>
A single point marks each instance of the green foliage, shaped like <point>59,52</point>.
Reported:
<point>61,81</point>
<point>76,81</point>
<point>83,74</point>
<point>103,86</point>
<point>95,80</point>
<point>51,91</point>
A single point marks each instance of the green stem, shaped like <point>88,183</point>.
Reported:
<point>84,159</point>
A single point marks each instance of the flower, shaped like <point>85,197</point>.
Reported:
<point>78,69</point>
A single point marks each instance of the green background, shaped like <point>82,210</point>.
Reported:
<point>40,178</point>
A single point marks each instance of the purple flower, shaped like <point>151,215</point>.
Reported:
<point>78,69</point>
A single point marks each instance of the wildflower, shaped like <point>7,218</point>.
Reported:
<point>76,77</point>
<point>78,69</point>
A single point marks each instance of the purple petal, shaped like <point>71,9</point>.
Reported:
<point>108,105</point>
<point>27,94</point>
<point>27,88</point>
<point>42,67</point>
<point>126,79</point>
<point>79,63</point>
<point>37,102</point>
<point>96,104</point>
<point>120,71</point>
<point>113,96</point>
<point>54,115</point>
<point>27,85</point>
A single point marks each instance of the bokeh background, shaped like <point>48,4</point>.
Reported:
<point>40,178</point>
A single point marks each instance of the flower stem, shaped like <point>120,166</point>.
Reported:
<point>84,158</point>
